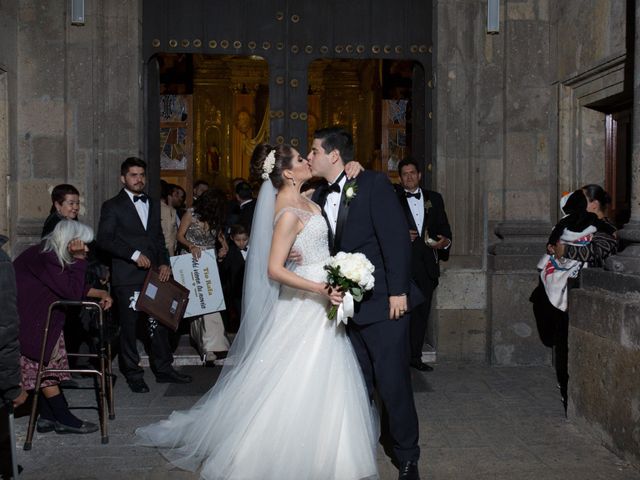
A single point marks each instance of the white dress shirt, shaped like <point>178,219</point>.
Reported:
<point>143,212</point>
<point>417,208</point>
<point>332,204</point>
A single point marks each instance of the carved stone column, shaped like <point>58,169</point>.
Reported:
<point>628,261</point>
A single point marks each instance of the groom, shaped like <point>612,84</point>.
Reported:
<point>365,216</point>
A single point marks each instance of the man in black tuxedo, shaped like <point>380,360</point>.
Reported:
<point>430,241</point>
<point>130,232</point>
<point>247,205</point>
<point>364,216</point>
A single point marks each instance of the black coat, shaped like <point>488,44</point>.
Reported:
<point>9,323</point>
<point>372,223</point>
<point>232,275</point>
<point>246,215</point>
<point>121,233</point>
<point>425,260</point>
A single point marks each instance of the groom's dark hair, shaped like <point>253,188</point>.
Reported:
<point>336,138</point>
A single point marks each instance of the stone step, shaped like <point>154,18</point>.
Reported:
<point>185,354</point>
<point>429,354</point>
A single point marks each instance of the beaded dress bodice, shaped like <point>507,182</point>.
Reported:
<point>312,243</point>
<point>199,234</point>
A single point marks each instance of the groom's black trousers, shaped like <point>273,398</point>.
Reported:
<point>383,351</point>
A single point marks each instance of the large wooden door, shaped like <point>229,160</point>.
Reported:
<point>618,164</point>
<point>290,35</point>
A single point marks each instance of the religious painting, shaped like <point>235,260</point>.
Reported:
<point>176,136</point>
<point>174,108</point>
<point>394,134</point>
<point>173,148</point>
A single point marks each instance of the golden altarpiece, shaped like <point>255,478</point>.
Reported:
<point>227,114</point>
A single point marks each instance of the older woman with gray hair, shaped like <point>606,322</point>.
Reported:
<point>46,272</point>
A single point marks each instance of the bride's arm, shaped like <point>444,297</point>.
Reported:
<point>284,234</point>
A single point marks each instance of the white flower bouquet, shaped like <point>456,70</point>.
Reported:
<point>353,274</point>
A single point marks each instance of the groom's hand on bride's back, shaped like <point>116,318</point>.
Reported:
<point>295,256</point>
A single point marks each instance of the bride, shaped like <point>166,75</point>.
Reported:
<point>291,402</point>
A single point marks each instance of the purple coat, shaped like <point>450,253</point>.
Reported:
<point>41,281</point>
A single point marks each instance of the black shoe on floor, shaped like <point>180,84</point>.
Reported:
<point>138,386</point>
<point>409,471</point>
<point>419,365</point>
<point>172,377</point>
<point>43,425</point>
<point>85,427</point>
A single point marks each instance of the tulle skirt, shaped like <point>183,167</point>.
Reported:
<point>295,407</point>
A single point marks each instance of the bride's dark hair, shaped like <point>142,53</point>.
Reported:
<point>283,159</point>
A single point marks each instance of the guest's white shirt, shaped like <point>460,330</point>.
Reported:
<point>143,212</point>
<point>417,208</point>
<point>332,204</point>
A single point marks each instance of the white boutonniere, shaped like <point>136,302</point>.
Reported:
<point>427,205</point>
<point>350,191</point>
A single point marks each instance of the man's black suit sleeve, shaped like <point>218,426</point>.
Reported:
<point>108,239</point>
<point>441,223</point>
<point>391,228</point>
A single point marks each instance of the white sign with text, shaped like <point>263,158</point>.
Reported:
<point>202,279</point>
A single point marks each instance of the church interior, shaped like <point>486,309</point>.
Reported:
<point>215,110</point>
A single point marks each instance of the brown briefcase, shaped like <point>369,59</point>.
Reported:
<point>164,301</point>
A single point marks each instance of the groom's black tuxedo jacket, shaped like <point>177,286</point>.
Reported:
<point>374,224</point>
<point>425,265</point>
<point>121,233</point>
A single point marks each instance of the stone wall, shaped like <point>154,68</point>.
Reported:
<point>79,112</point>
<point>604,360</point>
<point>591,72</point>
<point>587,68</point>
<point>514,97</point>
<point>8,86</point>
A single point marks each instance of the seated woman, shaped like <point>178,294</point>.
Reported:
<point>65,203</point>
<point>52,270</point>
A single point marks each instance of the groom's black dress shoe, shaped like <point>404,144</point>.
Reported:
<point>423,367</point>
<point>172,377</point>
<point>409,471</point>
<point>138,386</point>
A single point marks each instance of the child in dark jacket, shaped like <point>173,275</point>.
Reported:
<point>232,272</point>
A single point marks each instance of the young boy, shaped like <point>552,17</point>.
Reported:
<point>232,271</point>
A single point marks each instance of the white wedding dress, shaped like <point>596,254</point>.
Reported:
<point>294,406</point>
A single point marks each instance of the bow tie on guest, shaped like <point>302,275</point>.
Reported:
<point>142,198</point>
<point>414,195</point>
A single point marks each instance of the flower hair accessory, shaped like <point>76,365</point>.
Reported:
<point>269,163</point>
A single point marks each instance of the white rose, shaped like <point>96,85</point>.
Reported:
<point>349,193</point>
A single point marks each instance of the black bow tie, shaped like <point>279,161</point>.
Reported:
<point>334,187</point>
<point>142,198</point>
<point>414,195</point>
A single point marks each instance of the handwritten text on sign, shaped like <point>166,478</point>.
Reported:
<point>202,279</point>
